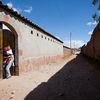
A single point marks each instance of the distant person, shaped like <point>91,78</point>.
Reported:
<point>8,60</point>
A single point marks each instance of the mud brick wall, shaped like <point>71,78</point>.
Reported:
<point>67,51</point>
<point>92,49</point>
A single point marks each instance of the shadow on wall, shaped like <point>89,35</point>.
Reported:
<point>77,80</point>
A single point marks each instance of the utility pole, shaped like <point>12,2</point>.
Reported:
<point>71,41</point>
<point>74,47</point>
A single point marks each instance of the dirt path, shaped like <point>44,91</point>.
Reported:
<point>68,79</point>
<point>17,87</point>
<point>77,80</point>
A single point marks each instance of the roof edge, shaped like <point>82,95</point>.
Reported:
<point>16,14</point>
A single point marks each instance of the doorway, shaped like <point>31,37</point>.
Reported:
<point>9,37</point>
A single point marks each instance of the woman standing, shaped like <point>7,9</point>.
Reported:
<point>9,61</point>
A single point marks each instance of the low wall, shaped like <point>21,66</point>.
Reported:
<point>67,51</point>
<point>36,63</point>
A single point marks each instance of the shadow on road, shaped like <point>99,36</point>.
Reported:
<point>77,80</point>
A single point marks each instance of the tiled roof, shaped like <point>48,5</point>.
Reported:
<point>11,11</point>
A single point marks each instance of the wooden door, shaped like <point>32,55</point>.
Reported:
<point>1,51</point>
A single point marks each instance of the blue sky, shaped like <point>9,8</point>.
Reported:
<point>59,17</point>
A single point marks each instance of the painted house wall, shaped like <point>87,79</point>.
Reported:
<point>33,50</point>
<point>36,50</point>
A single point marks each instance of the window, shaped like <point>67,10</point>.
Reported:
<point>41,36</point>
<point>31,32</point>
<point>37,34</point>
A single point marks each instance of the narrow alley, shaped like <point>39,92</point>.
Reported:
<point>77,80</point>
<point>49,50</point>
<point>69,79</point>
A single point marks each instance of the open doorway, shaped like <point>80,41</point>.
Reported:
<point>9,37</point>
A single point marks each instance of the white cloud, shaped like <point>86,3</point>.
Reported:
<point>28,10</point>
<point>74,43</point>
<point>92,23</point>
<point>10,5</point>
<point>58,37</point>
<point>90,32</point>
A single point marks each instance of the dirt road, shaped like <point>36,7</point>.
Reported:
<point>68,79</point>
<point>17,87</point>
<point>77,80</point>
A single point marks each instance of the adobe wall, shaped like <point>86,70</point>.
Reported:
<point>67,51</point>
<point>96,37</point>
<point>34,47</point>
<point>92,49</point>
<point>89,49</point>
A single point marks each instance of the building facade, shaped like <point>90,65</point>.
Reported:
<point>32,45</point>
